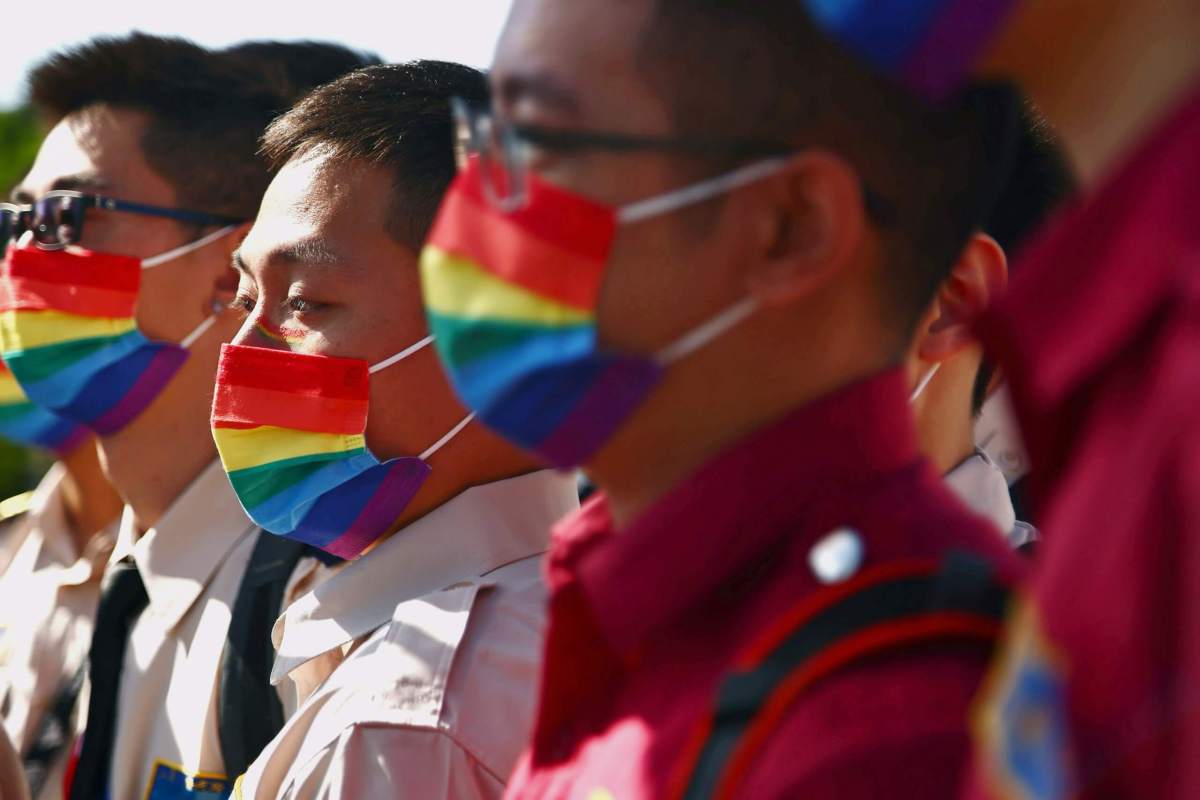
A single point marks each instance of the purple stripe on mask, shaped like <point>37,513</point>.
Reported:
<point>405,477</point>
<point>612,397</point>
<point>158,373</point>
<point>69,442</point>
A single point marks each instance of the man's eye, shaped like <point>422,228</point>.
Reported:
<point>301,306</point>
<point>244,303</point>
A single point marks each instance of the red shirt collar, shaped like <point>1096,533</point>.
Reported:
<point>731,511</point>
<point>1099,276</point>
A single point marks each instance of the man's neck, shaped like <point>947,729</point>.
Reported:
<point>945,427</point>
<point>707,404</point>
<point>90,501</point>
<point>153,460</point>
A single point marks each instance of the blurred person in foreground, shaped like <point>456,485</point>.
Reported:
<point>688,249</point>
<point>115,306</point>
<point>946,354</point>
<point>417,663</point>
<point>1098,695</point>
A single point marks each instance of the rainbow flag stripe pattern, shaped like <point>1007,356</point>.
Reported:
<point>511,302</point>
<point>24,423</point>
<point>289,429</point>
<point>68,334</point>
<point>929,46</point>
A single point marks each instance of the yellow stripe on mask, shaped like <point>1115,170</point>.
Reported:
<point>10,390</point>
<point>454,287</point>
<point>25,330</point>
<point>243,448</point>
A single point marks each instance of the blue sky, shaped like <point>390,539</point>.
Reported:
<point>454,30</point>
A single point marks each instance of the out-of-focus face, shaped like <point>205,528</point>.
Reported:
<point>320,274</point>
<point>574,66</point>
<point>98,151</point>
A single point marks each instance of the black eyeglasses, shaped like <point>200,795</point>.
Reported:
<point>504,152</point>
<point>14,220</point>
<point>57,218</point>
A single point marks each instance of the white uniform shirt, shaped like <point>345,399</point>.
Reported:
<point>48,596</point>
<point>423,655</point>
<point>981,485</point>
<point>167,744</point>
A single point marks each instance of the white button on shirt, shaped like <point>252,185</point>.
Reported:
<point>422,656</point>
<point>981,485</point>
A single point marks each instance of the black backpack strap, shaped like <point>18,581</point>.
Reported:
<point>886,608</point>
<point>54,733</point>
<point>249,712</point>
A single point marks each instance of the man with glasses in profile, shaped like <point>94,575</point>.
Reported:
<point>774,595</point>
<point>153,152</point>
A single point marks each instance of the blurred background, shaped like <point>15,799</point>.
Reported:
<point>400,30</point>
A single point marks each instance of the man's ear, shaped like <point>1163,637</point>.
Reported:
<point>979,277</point>
<point>225,279</point>
<point>809,224</point>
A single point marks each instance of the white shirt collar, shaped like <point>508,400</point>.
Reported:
<point>179,555</point>
<point>483,528</point>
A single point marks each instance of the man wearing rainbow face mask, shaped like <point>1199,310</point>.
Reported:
<point>416,663</point>
<point>113,313</point>
<point>688,249</point>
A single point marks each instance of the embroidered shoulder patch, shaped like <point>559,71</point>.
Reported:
<point>1022,723</point>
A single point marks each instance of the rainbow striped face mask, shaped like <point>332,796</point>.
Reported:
<point>68,333</point>
<point>290,431</point>
<point>26,424</point>
<point>511,298</point>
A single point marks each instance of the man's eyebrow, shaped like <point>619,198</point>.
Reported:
<point>314,252</point>
<point>238,263</point>
<point>538,87</point>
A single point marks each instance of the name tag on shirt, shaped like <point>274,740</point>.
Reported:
<point>170,782</point>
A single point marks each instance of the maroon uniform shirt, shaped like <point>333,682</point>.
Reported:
<point>645,621</point>
<point>1099,695</point>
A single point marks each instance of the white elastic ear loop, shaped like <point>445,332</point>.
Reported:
<point>445,440</point>
<point>183,250</point>
<point>704,333</point>
<point>924,383</point>
<point>200,330</point>
<point>403,354</point>
<point>699,192</point>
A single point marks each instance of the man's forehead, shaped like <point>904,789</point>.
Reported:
<point>99,150</point>
<point>565,55</point>
<point>319,191</point>
<point>315,211</point>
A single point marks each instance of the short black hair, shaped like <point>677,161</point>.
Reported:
<point>1041,180</point>
<point>395,116</point>
<point>205,109</point>
<point>762,70</point>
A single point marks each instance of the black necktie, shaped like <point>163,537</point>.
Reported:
<point>122,597</point>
